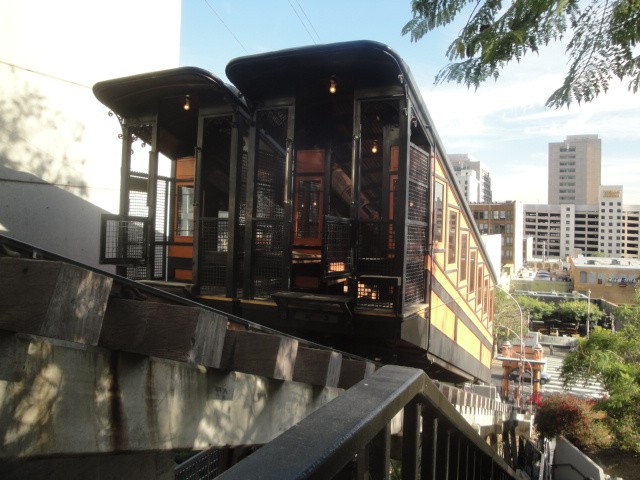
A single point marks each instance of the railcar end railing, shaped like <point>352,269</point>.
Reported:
<point>351,437</point>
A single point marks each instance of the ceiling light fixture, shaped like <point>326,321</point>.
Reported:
<point>332,85</point>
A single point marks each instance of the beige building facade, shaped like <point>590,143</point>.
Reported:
<point>612,279</point>
<point>505,219</point>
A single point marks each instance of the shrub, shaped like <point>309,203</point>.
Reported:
<point>575,418</point>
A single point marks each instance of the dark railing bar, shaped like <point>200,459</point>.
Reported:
<point>325,441</point>
<point>322,443</point>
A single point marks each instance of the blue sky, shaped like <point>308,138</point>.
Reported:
<point>503,124</point>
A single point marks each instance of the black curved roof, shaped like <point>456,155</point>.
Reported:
<point>141,94</point>
<point>358,64</point>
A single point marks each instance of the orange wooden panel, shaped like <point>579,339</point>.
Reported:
<point>310,161</point>
<point>183,274</point>
<point>181,251</point>
<point>395,155</point>
<point>185,167</point>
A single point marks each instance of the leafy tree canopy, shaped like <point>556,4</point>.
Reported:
<point>579,311</point>
<point>601,39</point>
<point>538,310</point>
<point>614,360</point>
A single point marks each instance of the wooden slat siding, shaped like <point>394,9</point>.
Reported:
<point>262,354</point>
<point>352,371</point>
<point>317,367</point>
<point>52,299</point>
<point>186,334</point>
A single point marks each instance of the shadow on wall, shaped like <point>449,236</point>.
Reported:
<point>36,203</point>
<point>37,139</point>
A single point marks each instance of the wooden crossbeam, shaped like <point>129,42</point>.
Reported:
<point>52,299</point>
<point>317,367</point>
<point>176,332</point>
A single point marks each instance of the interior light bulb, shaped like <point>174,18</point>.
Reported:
<point>332,86</point>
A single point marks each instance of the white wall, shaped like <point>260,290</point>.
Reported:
<point>59,150</point>
<point>565,454</point>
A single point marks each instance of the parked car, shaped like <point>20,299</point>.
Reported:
<point>526,376</point>
<point>543,275</point>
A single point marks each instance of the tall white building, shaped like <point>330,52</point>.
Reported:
<point>462,162</point>
<point>574,170</point>
<point>608,227</point>
<point>469,184</point>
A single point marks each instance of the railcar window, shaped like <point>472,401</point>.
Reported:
<point>463,256</point>
<point>184,222</point>
<point>452,242</point>
<point>439,211</point>
<point>472,270</point>
<point>480,292</point>
<point>309,206</point>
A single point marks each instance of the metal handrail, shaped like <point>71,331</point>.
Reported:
<point>323,443</point>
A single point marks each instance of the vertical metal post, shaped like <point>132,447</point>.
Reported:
<point>429,447</point>
<point>152,187</point>
<point>250,212</point>
<point>374,459</point>
<point>411,442</point>
<point>235,181</point>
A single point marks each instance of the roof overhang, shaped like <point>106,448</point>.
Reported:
<point>140,95</point>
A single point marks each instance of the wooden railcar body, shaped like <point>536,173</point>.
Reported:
<point>313,196</point>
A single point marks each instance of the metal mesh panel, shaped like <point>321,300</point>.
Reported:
<point>269,249</point>
<point>378,292</point>
<point>214,245</point>
<point>418,185</point>
<point>269,186</point>
<point>418,164</point>
<point>414,284</point>
<point>338,246</point>
<point>123,240</point>
<point>138,195</point>
<point>136,273</point>
<point>212,279</point>
<point>159,262</point>
<point>161,227</point>
<point>203,466</point>
<point>377,248</point>
<point>416,240</point>
<point>417,202</point>
<point>162,190</point>
<point>214,235</point>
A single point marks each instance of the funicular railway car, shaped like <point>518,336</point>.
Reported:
<point>313,196</point>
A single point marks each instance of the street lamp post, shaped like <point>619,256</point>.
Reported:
<point>588,310</point>
<point>522,351</point>
<point>521,317</point>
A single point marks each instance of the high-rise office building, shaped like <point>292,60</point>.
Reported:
<point>574,170</point>
<point>462,162</point>
<point>469,184</point>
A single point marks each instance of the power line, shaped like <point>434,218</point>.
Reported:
<point>226,26</point>
<point>37,72</point>
<point>303,22</point>
<point>309,21</point>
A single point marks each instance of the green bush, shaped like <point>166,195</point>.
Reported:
<point>575,418</point>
